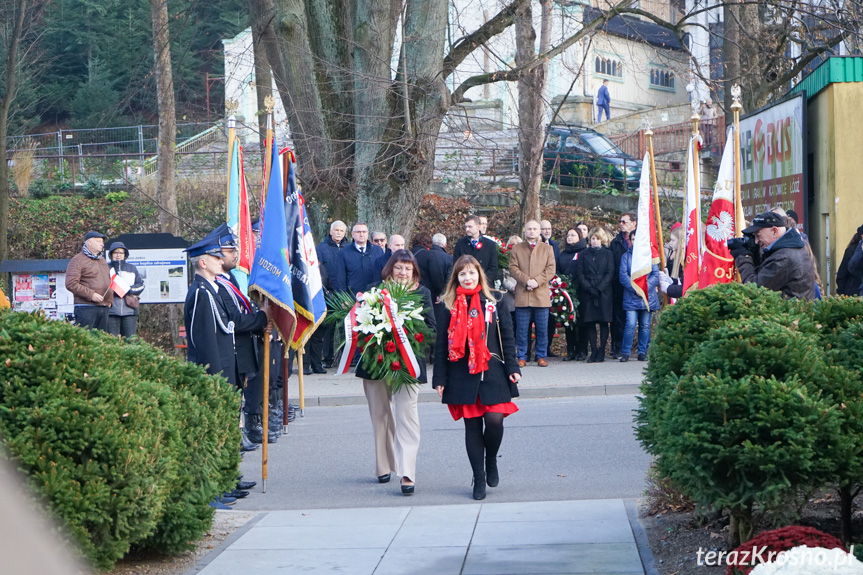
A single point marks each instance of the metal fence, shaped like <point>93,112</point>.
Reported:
<point>674,138</point>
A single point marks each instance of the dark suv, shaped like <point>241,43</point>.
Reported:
<point>576,156</point>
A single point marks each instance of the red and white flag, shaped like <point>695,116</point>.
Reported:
<point>692,224</point>
<point>645,250</point>
<point>717,266</point>
<point>120,287</point>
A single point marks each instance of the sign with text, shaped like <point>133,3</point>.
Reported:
<point>772,142</point>
<point>42,291</point>
<point>165,274</point>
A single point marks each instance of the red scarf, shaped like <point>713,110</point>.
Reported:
<point>467,326</point>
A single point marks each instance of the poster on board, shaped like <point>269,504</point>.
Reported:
<point>165,274</point>
<point>45,291</point>
<point>772,152</point>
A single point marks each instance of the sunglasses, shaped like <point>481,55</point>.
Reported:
<point>380,241</point>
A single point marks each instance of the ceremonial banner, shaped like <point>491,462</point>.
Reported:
<point>271,272</point>
<point>306,284</point>
<point>717,265</point>
<point>645,251</point>
<point>692,224</point>
<point>238,217</point>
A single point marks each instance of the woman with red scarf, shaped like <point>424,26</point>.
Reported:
<point>476,369</point>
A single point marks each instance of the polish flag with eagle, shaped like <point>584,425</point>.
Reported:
<point>717,266</point>
<point>691,223</point>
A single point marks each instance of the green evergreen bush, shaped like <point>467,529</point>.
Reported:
<point>752,421</point>
<point>686,324</point>
<point>126,445</point>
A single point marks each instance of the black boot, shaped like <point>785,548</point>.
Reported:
<point>479,486</point>
<point>254,427</point>
<point>492,477</point>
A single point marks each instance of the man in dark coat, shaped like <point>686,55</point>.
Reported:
<point>355,270</point>
<point>849,278</point>
<point>785,263</point>
<point>320,346</point>
<point>89,280</point>
<point>603,102</point>
<point>619,246</point>
<point>473,244</point>
<point>395,244</point>
<point>435,267</point>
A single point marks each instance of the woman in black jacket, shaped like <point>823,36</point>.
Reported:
<point>122,317</point>
<point>476,369</point>
<point>594,272</point>
<point>576,338</point>
<point>395,419</point>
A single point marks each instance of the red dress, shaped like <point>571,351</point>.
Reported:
<point>478,409</point>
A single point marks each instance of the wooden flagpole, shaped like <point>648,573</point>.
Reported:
<point>285,376</point>
<point>696,165</point>
<point>300,382</point>
<point>230,108</point>
<point>266,413</point>
<point>656,212</point>
<point>736,107</point>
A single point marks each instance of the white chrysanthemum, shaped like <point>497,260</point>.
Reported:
<point>804,560</point>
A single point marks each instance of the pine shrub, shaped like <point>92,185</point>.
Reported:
<point>127,446</point>
<point>748,423</point>
<point>686,324</point>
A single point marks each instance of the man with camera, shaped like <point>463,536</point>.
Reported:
<point>785,265</point>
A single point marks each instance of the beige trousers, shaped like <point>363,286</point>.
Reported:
<point>396,426</point>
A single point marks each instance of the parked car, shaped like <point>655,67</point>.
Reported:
<point>576,156</point>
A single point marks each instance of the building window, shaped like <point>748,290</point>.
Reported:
<point>663,79</point>
<point>608,67</point>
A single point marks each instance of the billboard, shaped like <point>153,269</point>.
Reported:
<point>45,291</point>
<point>165,274</point>
<point>772,155</point>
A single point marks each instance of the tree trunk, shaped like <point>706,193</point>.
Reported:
<point>741,55</point>
<point>167,193</point>
<point>531,120</point>
<point>263,88</point>
<point>741,526</point>
<point>14,42</point>
<point>846,502</point>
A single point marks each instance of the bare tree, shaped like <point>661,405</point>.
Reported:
<point>531,105</point>
<point>167,193</point>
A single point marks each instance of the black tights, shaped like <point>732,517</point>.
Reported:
<point>591,335</point>
<point>482,447</point>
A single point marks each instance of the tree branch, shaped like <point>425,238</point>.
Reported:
<point>512,74</point>
<point>463,48</point>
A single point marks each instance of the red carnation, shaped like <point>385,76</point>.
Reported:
<point>395,366</point>
<point>560,308</point>
<point>390,347</point>
<point>419,337</point>
<point>571,317</point>
<point>563,285</point>
<point>380,358</point>
<point>479,245</point>
<point>558,324</point>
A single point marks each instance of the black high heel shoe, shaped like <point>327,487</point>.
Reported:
<point>407,489</point>
<point>479,487</point>
<point>384,478</point>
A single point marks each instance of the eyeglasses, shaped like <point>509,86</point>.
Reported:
<point>379,241</point>
<point>624,221</point>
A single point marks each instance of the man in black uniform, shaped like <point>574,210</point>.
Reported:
<point>249,323</point>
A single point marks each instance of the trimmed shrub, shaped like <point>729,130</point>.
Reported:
<point>127,446</point>
<point>686,324</point>
<point>748,424</point>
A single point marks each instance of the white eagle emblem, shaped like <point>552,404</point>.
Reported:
<point>722,227</point>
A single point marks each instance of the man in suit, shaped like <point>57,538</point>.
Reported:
<point>603,102</point>
<point>355,269</point>
<point>321,342</point>
<point>531,265</point>
<point>396,243</point>
<point>473,244</point>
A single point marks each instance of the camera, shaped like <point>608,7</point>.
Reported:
<point>747,242</point>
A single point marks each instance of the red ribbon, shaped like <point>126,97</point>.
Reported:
<point>352,337</point>
<point>556,283</point>
<point>401,336</point>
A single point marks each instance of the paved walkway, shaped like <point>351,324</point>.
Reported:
<point>559,379</point>
<point>551,537</point>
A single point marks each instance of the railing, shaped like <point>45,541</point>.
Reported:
<point>674,138</point>
<point>192,144</point>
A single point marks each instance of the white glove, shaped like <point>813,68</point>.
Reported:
<point>664,282</point>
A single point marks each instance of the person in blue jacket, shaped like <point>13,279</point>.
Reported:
<point>603,102</point>
<point>355,269</point>
<point>637,312</point>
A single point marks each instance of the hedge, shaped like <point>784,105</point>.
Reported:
<point>126,445</point>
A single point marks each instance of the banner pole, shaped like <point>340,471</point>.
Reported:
<point>696,166</point>
<point>268,161</point>
<point>656,211</point>
<point>232,136</point>
<point>738,200</point>
<point>285,377</point>
<point>266,410</point>
<point>300,374</point>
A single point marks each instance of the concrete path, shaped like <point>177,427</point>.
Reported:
<point>552,537</point>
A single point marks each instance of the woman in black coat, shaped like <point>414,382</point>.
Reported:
<point>594,272</point>
<point>576,338</point>
<point>395,419</point>
<point>476,369</point>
